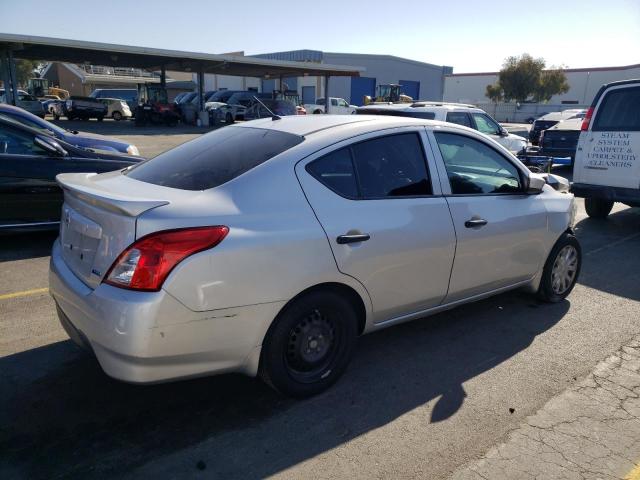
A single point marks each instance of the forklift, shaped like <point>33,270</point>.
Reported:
<point>39,88</point>
<point>154,107</point>
<point>388,93</point>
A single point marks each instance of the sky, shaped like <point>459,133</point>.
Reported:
<point>470,36</point>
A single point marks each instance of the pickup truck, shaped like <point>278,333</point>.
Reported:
<point>80,107</point>
<point>337,106</point>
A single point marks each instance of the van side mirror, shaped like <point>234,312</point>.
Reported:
<point>535,184</point>
<point>503,132</point>
<point>50,146</point>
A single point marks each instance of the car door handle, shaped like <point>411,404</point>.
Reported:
<point>475,223</point>
<point>353,238</point>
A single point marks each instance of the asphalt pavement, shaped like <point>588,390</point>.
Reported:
<point>420,400</point>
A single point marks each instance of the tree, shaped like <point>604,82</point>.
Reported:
<point>524,77</point>
<point>25,69</point>
<point>552,82</point>
<point>494,93</point>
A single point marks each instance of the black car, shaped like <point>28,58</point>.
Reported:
<point>561,140</point>
<point>29,163</point>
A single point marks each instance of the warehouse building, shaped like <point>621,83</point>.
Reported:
<point>419,80</point>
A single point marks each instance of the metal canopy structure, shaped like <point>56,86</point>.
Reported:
<point>31,47</point>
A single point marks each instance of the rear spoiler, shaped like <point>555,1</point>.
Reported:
<point>82,186</point>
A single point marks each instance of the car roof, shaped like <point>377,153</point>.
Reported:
<point>306,125</point>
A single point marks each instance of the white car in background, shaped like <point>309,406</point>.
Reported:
<point>337,106</point>
<point>268,247</point>
<point>461,114</point>
<point>117,108</point>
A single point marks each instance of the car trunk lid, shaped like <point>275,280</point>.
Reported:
<point>99,219</point>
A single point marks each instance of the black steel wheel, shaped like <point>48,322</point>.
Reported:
<point>117,116</point>
<point>310,344</point>
<point>561,269</point>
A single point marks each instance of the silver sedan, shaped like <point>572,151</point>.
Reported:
<point>269,247</point>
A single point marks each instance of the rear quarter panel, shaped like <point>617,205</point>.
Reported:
<point>275,248</point>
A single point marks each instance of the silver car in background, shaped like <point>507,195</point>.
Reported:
<point>268,247</point>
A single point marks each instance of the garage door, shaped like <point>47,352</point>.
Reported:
<point>411,88</point>
<point>308,95</point>
<point>361,86</point>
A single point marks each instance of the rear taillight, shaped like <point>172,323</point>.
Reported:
<point>586,120</point>
<point>148,261</point>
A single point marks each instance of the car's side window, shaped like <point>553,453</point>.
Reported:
<point>475,168</point>
<point>17,143</point>
<point>389,166</point>
<point>461,118</point>
<point>486,124</point>
<point>336,171</point>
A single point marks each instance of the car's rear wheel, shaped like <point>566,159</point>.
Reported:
<point>117,116</point>
<point>597,207</point>
<point>99,119</point>
<point>309,344</point>
<point>228,119</point>
<point>561,269</point>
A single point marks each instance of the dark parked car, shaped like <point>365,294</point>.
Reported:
<point>86,140</point>
<point>561,140</point>
<point>29,163</point>
<point>83,108</point>
<point>278,107</point>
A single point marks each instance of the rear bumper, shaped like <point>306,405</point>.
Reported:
<point>147,337</point>
<point>628,196</point>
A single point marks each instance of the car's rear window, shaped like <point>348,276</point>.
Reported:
<point>214,158</point>
<point>619,111</point>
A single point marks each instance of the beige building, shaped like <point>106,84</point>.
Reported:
<point>583,84</point>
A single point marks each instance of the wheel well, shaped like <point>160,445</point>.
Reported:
<point>354,298</point>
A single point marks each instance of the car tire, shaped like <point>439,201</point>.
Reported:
<point>56,117</point>
<point>117,116</point>
<point>318,112</point>
<point>228,119</point>
<point>99,119</point>
<point>597,207</point>
<point>561,270</point>
<point>70,117</point>
<point>301,367</point>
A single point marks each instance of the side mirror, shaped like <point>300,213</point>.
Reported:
<point>50,146</point>
<point>503,133</point>
<point>535,184</point>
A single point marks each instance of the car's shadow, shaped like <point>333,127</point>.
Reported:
<point>60,415</point>
<point>610,247</point>
<point>23,245</point>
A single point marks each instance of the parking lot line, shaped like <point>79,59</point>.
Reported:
<point>24,293</point>
<point>633,474</point>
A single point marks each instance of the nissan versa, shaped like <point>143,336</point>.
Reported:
<point>269,247</point>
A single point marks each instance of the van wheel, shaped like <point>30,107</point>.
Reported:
<point>309,344</point>
<point>117,116</point>
<point>597,207</point>
<point>561,269</point>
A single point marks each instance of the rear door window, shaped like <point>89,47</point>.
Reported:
<point>619,111</point>
<point>336,172</point>
<point>215,158</point>
<point>460,118</point>
<point>384,167</point>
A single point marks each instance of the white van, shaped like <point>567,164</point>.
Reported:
<point>607,164</point>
